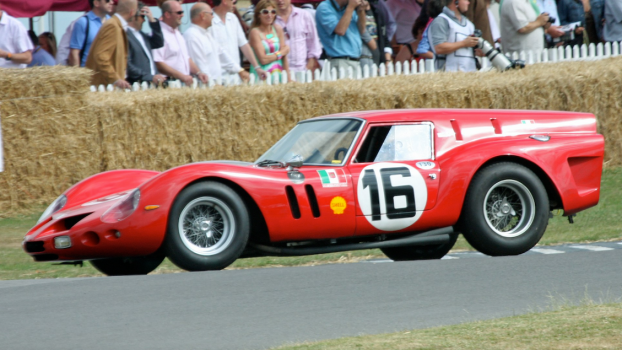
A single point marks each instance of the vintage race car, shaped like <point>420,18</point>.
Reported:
<point>405,181</point>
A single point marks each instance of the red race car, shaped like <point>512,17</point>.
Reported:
<point>404,181</point>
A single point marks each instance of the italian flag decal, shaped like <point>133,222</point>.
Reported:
<point>333,178</point>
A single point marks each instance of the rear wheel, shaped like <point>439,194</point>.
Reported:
<point>141,265</point>
<point>506,210</point>
<point>208,227</point>
<point>424,252</point>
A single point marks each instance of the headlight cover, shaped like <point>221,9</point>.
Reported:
<point>122,209</point>
<point>57,205</point>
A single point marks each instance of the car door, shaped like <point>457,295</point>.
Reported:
<point>395,177</point>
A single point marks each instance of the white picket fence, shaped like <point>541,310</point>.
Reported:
<point>560,54</point>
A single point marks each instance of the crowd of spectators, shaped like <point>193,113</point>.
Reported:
<point>279,36</point>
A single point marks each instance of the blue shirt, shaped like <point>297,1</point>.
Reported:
<point>424,44</point>
<point>327,17</point>
<point>550,7</point>
<point>570,11</point>
<point>598,11</point>
<point>40,57</point>
<point>79,33</point>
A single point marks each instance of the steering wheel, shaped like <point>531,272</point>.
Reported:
<point>340,150</point>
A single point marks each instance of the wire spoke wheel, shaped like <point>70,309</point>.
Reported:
<point>509,208</point>
<point>206,226</point>
<point>506,210</point>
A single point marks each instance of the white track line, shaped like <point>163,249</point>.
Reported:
<point>594,248</point>
<point>546,251</point>
<point>449,257</point>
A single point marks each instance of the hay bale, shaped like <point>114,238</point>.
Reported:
<point>43,81</point>
<point>62,133</point>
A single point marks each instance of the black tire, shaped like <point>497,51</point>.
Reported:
<point>516,214</point>
<point>422,252</point>
<point>208,227</point>
<point>141,265</point>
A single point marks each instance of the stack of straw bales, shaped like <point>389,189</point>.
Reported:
<point>56,132</point>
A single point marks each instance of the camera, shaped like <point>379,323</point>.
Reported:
<point>498,60</point>
<point>552,19</point>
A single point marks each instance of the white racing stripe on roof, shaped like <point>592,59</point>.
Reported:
<point>594,248</point>
<point>546,251</point>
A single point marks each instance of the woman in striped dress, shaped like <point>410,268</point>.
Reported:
<point>267,40</point>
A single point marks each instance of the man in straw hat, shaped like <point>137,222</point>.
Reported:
<point>108,53</point>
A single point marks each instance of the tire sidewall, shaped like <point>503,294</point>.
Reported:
<point>184,258</point>
<point>473,221</point>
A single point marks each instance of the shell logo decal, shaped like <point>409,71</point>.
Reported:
<point>338,205</point>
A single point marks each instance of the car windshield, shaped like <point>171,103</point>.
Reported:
<point>320,142</point>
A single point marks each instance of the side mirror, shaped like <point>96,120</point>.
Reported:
<point>294,162</point>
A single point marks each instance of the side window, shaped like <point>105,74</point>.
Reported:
<point>397,142</point>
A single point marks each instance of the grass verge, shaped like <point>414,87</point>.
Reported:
<point>588,326</point>
<point>601,223</point>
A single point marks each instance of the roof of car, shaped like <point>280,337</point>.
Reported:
<point>379,116</point>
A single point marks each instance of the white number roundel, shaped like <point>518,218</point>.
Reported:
<point>392,196</point>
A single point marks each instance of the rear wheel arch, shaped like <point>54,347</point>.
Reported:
<point>551,190</point>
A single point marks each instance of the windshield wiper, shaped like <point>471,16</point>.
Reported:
<point>270,162</point>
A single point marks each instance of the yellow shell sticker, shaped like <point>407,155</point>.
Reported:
<point>338,205</point>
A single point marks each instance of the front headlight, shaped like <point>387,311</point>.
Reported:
<point>122,209</point>
<point>57,205</point>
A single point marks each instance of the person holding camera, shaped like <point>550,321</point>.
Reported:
<point>340,24</point>
<point>452,39</point>
<point>523,26</point>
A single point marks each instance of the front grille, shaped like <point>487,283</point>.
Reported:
<point>34,247</point>
<point>45,257</point>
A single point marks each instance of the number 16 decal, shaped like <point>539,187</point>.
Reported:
<point>392,196</point>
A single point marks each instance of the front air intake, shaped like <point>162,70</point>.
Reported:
<point>34,247</point>
<point>72,221</point>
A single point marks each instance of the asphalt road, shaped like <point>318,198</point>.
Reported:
<point>261,308</point>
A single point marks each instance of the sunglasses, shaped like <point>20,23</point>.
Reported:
<point>265,12</point>
<point>177,12</point>
<point>106,1</point>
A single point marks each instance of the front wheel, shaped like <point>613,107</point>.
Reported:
<point>141,265</point>
<point>423,252</point>
<point>208,227</point>
<point>505,211</point>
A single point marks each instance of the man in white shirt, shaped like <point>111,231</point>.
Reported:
<point>228,32</point>
<point>522,26</point>
<point>140,64</point>
<point>173,59</point>
<point>206,53</point>
<point>15,45</point>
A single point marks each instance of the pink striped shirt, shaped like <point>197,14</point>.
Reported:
<point>301,37</point>
<point>174,52</point>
